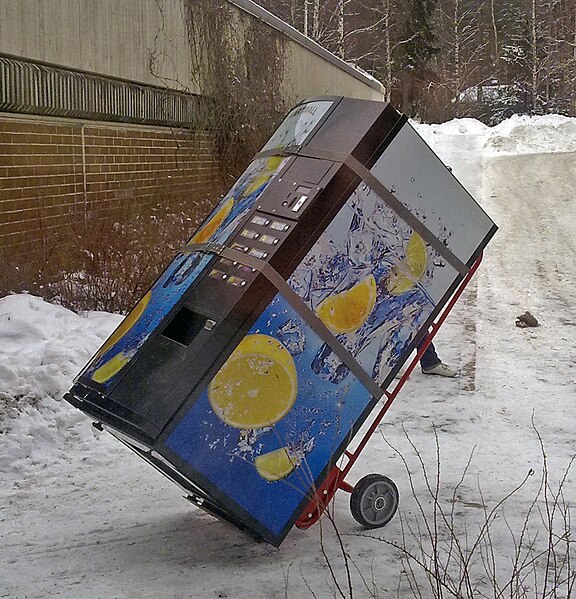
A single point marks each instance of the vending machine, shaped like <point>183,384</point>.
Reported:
<point>248,367</point>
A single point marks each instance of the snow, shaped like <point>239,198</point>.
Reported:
<point>556,133</point>
<point>83,517</point>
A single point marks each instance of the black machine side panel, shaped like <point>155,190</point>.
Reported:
<point>353,115</point>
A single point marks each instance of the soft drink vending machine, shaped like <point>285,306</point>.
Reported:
<point>248,367</point>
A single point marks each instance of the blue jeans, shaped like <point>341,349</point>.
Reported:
<point>429,358</point>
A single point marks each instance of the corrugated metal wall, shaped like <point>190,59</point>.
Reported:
<point>137,40</point>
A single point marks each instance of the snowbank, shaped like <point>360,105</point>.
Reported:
<point>533,135</point>
<point>42,348</point>
<point>516,135</point>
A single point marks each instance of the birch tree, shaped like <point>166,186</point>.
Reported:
<point>462,48</point>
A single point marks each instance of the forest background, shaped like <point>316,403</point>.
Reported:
<point>442,59</point>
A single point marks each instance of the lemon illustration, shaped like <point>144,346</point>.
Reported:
<point>406,274</point>
<point>126,324</point>
<point>110,368</point>
<point>277,464</point>
<point>347,311</point>
<point>210,227</point>
<point>257,386</point>
<point>272,163</point>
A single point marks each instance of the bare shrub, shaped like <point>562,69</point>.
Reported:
<point>19,273</point>
<point>107,260</point>
<point>445,552</point>
<point>239,63</point>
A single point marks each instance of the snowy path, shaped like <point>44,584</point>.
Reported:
<point>530,266</point>
<point>85,518</point>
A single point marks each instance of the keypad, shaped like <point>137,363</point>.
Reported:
<point>258,239</point>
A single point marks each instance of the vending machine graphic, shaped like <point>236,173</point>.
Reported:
<point>248,367</point>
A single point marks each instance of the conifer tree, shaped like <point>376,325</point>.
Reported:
<point>421,44</point>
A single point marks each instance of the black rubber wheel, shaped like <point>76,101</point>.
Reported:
<point>374,501</point>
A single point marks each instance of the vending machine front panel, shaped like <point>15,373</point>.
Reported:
<point>267,427</point>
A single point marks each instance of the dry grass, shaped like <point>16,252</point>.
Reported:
<point>107,260</point>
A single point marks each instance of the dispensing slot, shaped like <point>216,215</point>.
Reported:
<point>185,326</point>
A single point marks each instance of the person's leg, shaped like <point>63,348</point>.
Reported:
<point>429,358</point>
<point>430,363</point>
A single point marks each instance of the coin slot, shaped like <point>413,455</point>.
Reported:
<point>299,203</point>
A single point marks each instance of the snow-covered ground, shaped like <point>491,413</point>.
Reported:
<point>81,517</point>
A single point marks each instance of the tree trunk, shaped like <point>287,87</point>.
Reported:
<point>496,41</point>
<point>340,27</point>
<point>534,61</point>
<point>387,49</point>
<point>316,19</point>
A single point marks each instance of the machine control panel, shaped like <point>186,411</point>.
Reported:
<point>259,238</point>
<point>296,189</point>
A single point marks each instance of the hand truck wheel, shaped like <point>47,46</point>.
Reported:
<point>374,501</point>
